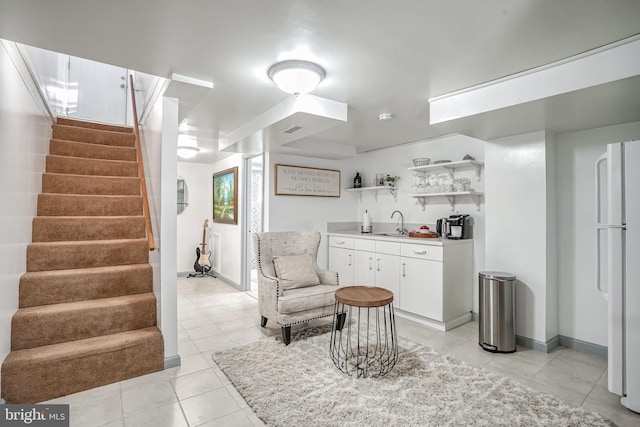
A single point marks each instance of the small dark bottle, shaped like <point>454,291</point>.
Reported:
<point>357,181</point>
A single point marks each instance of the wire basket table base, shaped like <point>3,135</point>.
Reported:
<point>364,341</point>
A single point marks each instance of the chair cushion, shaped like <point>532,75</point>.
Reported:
<point>301,299</point>
<point>296,271</point>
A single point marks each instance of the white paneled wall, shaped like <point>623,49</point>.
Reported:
<point>25,131</point>
<point>516,224</point>
<point>582,311</point>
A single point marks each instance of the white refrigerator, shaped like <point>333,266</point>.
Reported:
<point>617,220</point>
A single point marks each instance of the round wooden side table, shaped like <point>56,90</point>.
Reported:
<point>368,345</point>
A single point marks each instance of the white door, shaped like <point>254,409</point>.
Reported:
<point>609,241</point>
<point>632,274</point>
<point>388,274</point>
<point>252,220</point>
<point>364,273</point>
<point>341,261</point>
<point>97,91</point>
<point>421,287</point>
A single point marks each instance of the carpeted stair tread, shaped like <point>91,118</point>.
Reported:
<point>42,256</point>
<point>79,284</point>
<point>93,136</point>
<point>43,373</point>
<point>51,204</point>
<point>59,147</point>
<point>90,184</point>
<point>67,121</point>
<point>54,323</point>
<point>75,228</point>
<point>85,166</point>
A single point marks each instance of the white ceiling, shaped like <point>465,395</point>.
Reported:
<point>379,56</point>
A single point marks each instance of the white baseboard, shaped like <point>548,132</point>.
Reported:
<point>441,326</point>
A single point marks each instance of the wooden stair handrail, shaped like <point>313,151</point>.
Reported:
<point>143,181</point>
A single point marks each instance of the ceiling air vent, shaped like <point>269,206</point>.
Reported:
<point>291,129</point>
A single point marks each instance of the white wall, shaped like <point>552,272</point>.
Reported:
<point>551,235</point>
<point>51,71</point>
<point>230,234</point>
<point>285,213</point>
<point>25,131</point>
<point>159,141</point>
<point>395,161</point>
<point>516,224</point>
<point>582,312</point>
<point>199,179</point>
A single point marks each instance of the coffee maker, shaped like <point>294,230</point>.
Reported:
<point>455,227</point>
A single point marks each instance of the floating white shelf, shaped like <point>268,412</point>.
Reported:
<point>375,191</point>
<point>476,196</point>
<point>451,166</point>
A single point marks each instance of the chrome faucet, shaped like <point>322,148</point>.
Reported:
<point>401,229</point>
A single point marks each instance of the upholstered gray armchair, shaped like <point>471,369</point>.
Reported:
<point>292,288</point>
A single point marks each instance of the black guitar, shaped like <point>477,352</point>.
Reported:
<point>203,259</point>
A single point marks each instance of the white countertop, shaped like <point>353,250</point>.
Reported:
<point>401,239</point>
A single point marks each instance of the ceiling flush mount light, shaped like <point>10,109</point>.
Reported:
<point>187,146</point>
<point>296,76</point>
<point>188,152</point>
<point>384,116</point>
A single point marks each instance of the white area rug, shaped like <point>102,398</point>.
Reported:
<point>298,385</point>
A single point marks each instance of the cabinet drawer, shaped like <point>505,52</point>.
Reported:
<point>391,248</point>
<point>364,245</point>
<point>341,242</point>
<point>421,251</point>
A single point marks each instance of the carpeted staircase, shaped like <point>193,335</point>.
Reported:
<point>87,313</point>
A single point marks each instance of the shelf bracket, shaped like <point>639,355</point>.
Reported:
<point>422,201</point>
<point>477,169</point>
<point>476,200</point>
<point>452,202</point>
<point>450,172</point>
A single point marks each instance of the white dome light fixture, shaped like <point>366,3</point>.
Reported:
<point>188,152</point>
<point>187,146</point>
<point>296,76</point>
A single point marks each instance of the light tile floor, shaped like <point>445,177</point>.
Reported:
<point>213,315</point>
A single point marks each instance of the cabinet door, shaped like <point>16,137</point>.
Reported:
<point>421,287</point>
<point>388,275</point>
<point>341,261</point>
<point>364,268</point>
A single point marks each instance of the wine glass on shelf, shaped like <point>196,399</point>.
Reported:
<point>416,183</point>
<point>423,184</point>
<point>426,185</point>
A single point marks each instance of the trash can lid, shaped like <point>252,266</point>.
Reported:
<point>497,275</point>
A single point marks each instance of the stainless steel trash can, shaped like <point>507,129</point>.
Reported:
<point>497,327</point>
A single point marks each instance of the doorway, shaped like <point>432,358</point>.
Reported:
<point>85,89</point>
<point>97,91</point>
<point>253,220</point>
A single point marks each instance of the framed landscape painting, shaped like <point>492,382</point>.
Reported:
<point>225,196</point>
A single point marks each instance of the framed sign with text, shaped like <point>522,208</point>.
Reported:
<point>306,181</point>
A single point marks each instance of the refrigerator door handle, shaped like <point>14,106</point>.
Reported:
<point>599,226</point>
<point>602,158</point>
<point>602,293</point>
